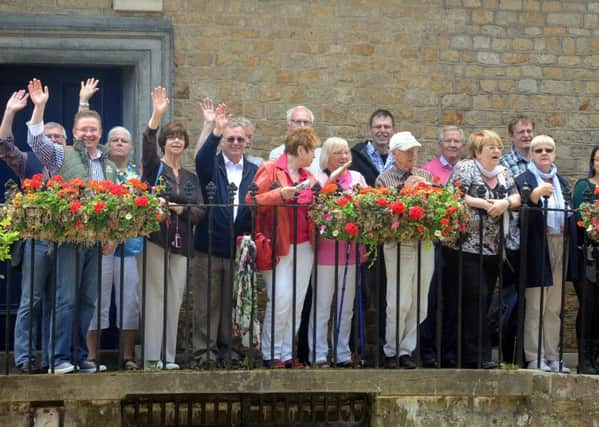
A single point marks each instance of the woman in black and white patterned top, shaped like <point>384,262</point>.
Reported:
<point>489,191</point>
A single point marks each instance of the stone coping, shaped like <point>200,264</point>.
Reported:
<point>419,382</point>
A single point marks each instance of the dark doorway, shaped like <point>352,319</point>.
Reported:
<point>63,84</point>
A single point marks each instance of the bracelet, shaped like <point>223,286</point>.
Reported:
<point>84,104</point>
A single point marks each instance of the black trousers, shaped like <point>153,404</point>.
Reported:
<point>479,276</point>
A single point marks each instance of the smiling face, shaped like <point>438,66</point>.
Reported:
<point>234,143</point>
<point>451,146</point>
<point>381,131</point>
<point>339,156</point>
<point>88,130</point>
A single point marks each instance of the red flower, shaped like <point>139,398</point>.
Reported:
<point>74,208</point>
<point>457,183</point>
<point>398,207</point>
<point>142,202</point>
<point>462,228</point>
<point>351,228</point>
<point>382,202</point>
<point>420,229</point>
<point>99,207</point>
<point>451,210</point>
<point>444,221</point>
<point>416,212</point>
<point>343,201</point>
<point>596,190</point>
<point>436,179</point>
<point>580,224</point>
<point>117,189</point>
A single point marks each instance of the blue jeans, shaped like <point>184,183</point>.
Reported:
<point>75,300</point>
<point>34,295</point>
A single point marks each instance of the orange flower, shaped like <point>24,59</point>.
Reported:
<point>330,188</point>
<point>580,223</point>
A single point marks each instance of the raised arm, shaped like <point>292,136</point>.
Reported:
<point>87,91</point>
<point>205,156</point>
<point>209,113</point>
<point>9,152</point>
<point>16,102</point>
<point>160,103</point>
<point>50,154</point>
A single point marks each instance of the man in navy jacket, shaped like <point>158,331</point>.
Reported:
<point>232,174</point>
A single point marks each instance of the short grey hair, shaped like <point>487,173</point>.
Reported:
<point>542,139</point>
<point>52,125</point>
<point>330,145</point>
<point>116,129</point>
<point>244,122</point>
<point>299,107</point>
<point>451,128</point>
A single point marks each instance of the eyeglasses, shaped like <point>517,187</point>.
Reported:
<point>126,141</point>
<point>546,150</point>
<point>493,147</point>
<point>88,130</point>
<point>239,139</point>
<point>302,122</point>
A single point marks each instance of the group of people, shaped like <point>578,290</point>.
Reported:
<point>215,202</point>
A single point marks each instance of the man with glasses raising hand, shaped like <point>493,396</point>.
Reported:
<point>227,168</point>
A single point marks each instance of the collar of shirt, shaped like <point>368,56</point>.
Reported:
<point>444,162</point>
<point>97,156</point>
<point>233,166</point>
<point>518,156</point>
<point>377,159</point>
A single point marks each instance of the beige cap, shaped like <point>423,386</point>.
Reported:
<point>403,141</point>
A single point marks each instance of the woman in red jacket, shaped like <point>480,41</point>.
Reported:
<point>292,235</point>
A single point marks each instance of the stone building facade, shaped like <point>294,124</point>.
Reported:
<point>473,63</point>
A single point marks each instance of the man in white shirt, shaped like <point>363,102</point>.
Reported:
<point>299,117</point>
<point>232,174</point>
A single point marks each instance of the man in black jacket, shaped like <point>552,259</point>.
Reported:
<point>216,234</point>
<point>371,157</point>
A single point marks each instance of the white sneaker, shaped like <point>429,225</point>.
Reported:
<point>542,367</point>
<point>169,365</point>
<point>555,367</point>
<point>62,368</point>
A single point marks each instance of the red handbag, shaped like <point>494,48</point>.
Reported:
<point>263,252</point>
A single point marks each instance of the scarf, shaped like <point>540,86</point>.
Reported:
<point>555,219</point>
<point>487,173</point>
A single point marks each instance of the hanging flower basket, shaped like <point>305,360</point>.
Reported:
<point>84,212</point>
<point>373,216</point>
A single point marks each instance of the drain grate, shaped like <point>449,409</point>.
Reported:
<point>308,409</point>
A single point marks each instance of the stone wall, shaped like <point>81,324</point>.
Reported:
<point>432,62</point>
<point>473,63</point>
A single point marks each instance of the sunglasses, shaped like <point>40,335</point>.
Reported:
<point>239,139</point>
<point>546,150</point>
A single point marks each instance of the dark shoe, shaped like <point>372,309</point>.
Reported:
<point>25,368</point>
<point>429,363</point>
<point>449,364</point>
<point>130,365</point>
<point>348,364</point>
<point>585,359</point>
<point>274,364</point>
<point>293,364</point>
<point>391,362</point>
<point>406,362</point>
<point>489,364</point>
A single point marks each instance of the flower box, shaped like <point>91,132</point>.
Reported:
<point>373,216</point>
<point>84,212</point>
